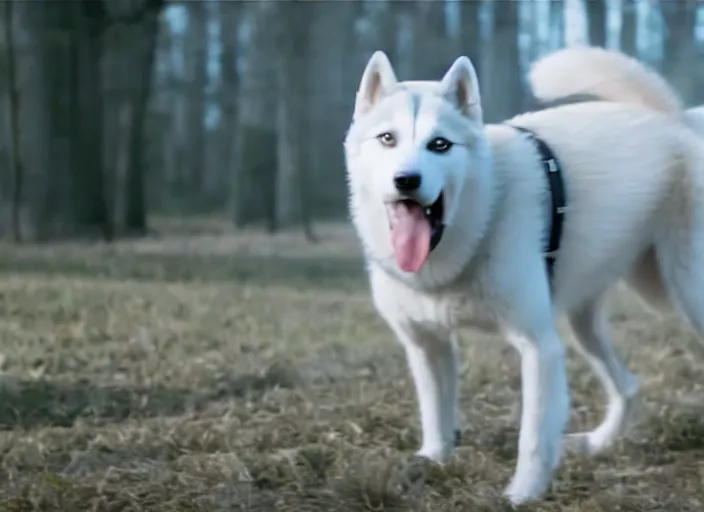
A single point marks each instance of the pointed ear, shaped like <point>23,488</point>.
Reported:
<point>377,81</point>
<point>461,88</point>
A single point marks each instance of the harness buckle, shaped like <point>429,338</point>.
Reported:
<point>552,165</point>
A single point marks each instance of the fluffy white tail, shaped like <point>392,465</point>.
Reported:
<point>607,75</point>
<point>694,118</point>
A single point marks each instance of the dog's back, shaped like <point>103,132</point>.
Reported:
<point>661,274</point>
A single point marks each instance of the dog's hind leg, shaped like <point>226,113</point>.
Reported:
<point>646,282</point>
<point>592,333</point>
<point>679,246</point>
<point>685,280</point>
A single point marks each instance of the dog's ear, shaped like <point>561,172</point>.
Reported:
<point>461,87</point>
<point>377,80</point>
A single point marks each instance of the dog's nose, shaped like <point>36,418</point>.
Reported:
<point>407,181</point>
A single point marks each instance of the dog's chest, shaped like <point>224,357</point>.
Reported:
<point>469,311</point>
<point>452,309</point>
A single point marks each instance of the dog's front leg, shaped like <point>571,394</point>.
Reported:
<point>431,352</point>
<point>544,413</point>
<point>432,359</point>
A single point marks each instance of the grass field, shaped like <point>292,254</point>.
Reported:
<point>206,371</point>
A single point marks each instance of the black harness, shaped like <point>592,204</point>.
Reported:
<point>558,198</point>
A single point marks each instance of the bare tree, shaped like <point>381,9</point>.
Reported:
<point>197,76</point>
<point>43,34</point>
<point>63,113</point>
<point>254,180</point>
<point>88,195</point>
<point>628,27</point>
<point>387,23</point>
<point>350,38</point>
<point>170,102</point>
<point>557,23</point>
<point>470,36</point>
<point>596,12</point>
<point>435,53</point>
<point>576,23</point>
<point>230,14</point>
<point>506,69</point>
<point>680,51</point>
<point>13,109</point>
<point>147,34</point>
<point>293,115</point>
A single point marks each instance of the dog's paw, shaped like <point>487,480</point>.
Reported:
<point>528,484</point>
<point>579,444</point>
<point>587,443</point>
<point>522,491</point>
<point>439,455</point>
<point>439,450</point>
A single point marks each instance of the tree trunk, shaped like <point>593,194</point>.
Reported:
<point>432,52</point>
<point>254,183</point>
<point>167,93</point>
<point>88,196</point>
<point>680,50</point>
<point>557,22</point>
<point>293,95</point>
<point>197,55</point>
<point>596,12</point>
<point>388,29</point>
<point>343,57</point>
<point>576,23</point>
<point>136,208</point>
<point>506,68</point>
<point>628,28</point>
<point>13,110</point>
<point>228,135</point>
<point>45,155</point>
<point>470,36</point>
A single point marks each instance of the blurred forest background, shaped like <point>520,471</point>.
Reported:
<point>114,111</point>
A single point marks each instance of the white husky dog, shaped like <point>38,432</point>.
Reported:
<point>453,214</point>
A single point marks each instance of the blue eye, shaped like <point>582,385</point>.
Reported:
<point>439,145</point>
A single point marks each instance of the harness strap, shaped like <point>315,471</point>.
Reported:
<point>558,197</point>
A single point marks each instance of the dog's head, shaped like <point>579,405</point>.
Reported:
<point>411,149</point>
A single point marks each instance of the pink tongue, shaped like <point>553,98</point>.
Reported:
<point>410,235</point>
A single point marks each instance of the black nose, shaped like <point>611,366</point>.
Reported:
<point>407,181</point>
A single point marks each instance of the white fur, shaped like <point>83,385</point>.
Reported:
<point>611,75</point>
<point>694,118</point>
<point>634,181</point>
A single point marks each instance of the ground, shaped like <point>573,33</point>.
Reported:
<point>203,370</point>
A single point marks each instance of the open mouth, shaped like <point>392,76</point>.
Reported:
<point>415,231</point>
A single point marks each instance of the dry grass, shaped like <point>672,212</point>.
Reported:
<point>206,371</point>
